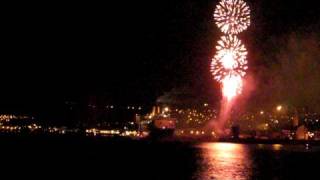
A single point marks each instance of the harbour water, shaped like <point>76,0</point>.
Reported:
<point>255,161</point>
<point>127,159</point>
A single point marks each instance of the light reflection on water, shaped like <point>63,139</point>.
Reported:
<point>232,161</point>
<point>224,161</point>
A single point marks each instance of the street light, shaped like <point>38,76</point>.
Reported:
<point>166,109</point>
<point>279,108</point>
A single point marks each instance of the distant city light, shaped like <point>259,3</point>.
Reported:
<point>166,109</point>
<point>277,147</point>
<point>279,108</point>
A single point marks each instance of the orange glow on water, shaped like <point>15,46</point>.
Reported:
<point>277,147</point>
<point>226,161</point>
<point>224,150</point>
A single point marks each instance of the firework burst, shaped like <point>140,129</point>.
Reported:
<point>232,16</point>
<point>230,59</point>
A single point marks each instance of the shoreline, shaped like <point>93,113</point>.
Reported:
<point>81,137</point>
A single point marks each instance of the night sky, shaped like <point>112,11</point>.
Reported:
<point>126,52</point>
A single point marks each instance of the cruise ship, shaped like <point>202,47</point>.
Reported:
<point>162,127</point>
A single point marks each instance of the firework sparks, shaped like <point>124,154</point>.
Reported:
<point>232,16</point>
<point>230,59</point>
<point>231,86</point>
<point>229,65</point>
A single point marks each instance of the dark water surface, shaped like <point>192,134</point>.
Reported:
<point>69,157</point>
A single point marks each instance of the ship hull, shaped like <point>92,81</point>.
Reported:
<point>161,133</point>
